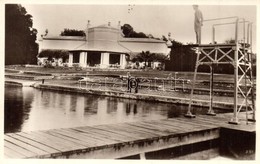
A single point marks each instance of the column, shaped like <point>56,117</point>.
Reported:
<point>82,59</point>
<point>104,60</point>
<point>86,58</point>
<point>70,59</point>
<point>122,61</point>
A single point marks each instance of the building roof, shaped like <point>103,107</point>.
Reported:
<point>102,45</point>
<point>147,40</point>
<point>105,38</point>
<point>104,26</point>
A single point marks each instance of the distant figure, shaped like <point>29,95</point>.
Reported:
<point>198,23</point>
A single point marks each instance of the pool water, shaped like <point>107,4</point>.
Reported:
<point>29,109</point>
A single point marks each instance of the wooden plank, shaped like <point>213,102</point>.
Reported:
<point>221,122</point>
<point>109,129</point>
<point>216,118</point>
<point>12,154</point>
<point>148,129</point>
<point>33,143</point>
<point>99,134</point>
<point>210,121</point>
<point>44,141</point>
<point>148,132</point>
<point>159,127</point>
<point>177,125</point>
<point>96,138</point>
<point>28,147</point>
<point>213,121</point>
<point>108,141</point>
<point>82,138</point>
<point>19,149</point>
<point>69,144</point>
<point>242,126</point>
<point>66,137</point>
<point>183,126</point>
<point>196,123</point>
<point>152,130</point>
<point>174,128</point>
<point>204,124</point>
<point>118,130</point>
<point>133,130</point>
<point>186,123</point>
<point>109,134</point>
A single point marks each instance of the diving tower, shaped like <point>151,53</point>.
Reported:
<point>237,54</point>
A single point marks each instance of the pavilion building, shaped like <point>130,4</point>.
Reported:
<point>103,46</point>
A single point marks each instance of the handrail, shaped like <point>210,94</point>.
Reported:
<point>219,24</point>
<point>207,20</point>
<point>237,22</point>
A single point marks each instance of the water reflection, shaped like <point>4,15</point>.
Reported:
<point>28,109</point>
<point>17,107</point>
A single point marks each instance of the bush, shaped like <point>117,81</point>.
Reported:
<point>48,65</point>
<point>54,54</point>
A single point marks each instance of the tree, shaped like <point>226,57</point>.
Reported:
<point>20,37</point>
<point>164,38</point>
<point>182,58</point>
<point>129,32</point>
<point>144,57</point>
<point>160,57</point>
<point>72,32</point>
<point>230,41</point>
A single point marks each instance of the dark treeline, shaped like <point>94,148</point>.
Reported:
<point>72,32</point>
<point>20,37</point>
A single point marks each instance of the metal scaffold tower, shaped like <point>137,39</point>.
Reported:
<point>239,55</point>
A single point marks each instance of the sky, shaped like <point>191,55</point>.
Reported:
<point>157,20</point>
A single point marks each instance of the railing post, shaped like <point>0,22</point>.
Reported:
<point>211,111</point>
<point>234,120</point>
<point>175,77</point>
<point>213,34</point>
<point>189,114</point>
<point>251,77</point>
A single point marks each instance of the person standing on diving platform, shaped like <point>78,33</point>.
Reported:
<point>198,22</point>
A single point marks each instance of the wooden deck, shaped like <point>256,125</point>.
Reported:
<point>117,140</point>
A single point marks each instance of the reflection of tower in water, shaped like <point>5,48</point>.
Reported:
<point>90,105</point>
<point>174,111</point>
<point>102,109</point>
<point>131,107</point>
<point>112,105</point>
